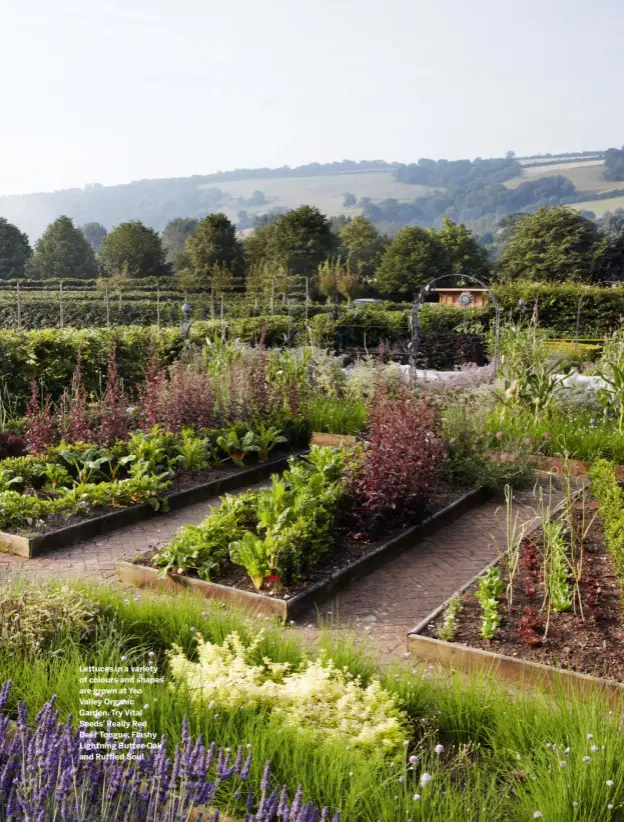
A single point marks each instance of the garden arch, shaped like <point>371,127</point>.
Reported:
<point>417,310</point>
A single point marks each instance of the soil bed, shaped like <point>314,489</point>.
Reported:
<point>347,551</point>
<point>593,646</point>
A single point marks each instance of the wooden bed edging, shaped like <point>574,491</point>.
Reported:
<point>555,465</point>
<point>510,670</point>
<point>30,547</point>
<point>146,577</point>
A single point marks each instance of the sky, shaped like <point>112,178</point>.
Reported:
<point>121,90</point>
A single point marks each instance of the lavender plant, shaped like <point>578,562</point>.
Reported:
<point>47,775</point>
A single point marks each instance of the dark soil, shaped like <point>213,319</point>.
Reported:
<point>593,645</point>
<point>181,481</point>
<point>347,550</point>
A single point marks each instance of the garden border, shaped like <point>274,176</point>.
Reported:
<point>555,465</point>
<point>30,547</point>
<point>506,669</point>
<point>146,577</point>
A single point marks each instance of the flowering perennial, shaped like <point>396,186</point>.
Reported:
<point>43,778</point>
<point>320,699</point>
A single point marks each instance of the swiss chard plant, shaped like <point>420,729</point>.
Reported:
<point>238,448</point>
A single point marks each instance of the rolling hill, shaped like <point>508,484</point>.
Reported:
<point>391,194</point>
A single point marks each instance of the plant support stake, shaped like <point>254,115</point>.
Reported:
<point>61,317</point>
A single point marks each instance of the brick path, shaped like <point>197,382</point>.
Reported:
<point>96,558</point>
<point>384,606</point>
<point>388,604</point>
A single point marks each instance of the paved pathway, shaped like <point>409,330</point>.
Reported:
<point>386,605</point>
<point>383,606</point>
<point>96,558</point>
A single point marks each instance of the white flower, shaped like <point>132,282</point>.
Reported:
<point>594,748</point>
<point>439,749</point>
<point>610,807</point>
<point>151,654</point>
<point>425,779</point>
<point>562,764</point>
<point>416,797</point>
<point>587,759</point>
<point>146,707</point>
<point>537,815</point>
<point>124,658</point>
<point>192,629</point>
<point>590,736</point>
<point>609,783</point>
<point>405,743</point>
<point>575,804</point>
<point>413,760</point>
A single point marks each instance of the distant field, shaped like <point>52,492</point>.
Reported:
<point>600,207</point>
<point>551,160</point>
<point>586,175</point>
<point>326,193</point>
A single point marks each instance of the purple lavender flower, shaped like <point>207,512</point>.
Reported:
<point>43,776</point>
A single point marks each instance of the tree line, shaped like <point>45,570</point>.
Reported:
<point>338,256</point>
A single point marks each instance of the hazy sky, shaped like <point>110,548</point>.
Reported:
<point>119,90</point>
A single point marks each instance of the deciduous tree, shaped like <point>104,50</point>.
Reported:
<point>15,250</point>
<point>299,240</point>
<point>214,243</point>
<point>362,246</point>
<point>174,236</point>
<point>94,233</point>
<point>414,257</point>
<point>62,251</point>
<point>135,250</point>
<point>552,245</point>
<point>466,256</point>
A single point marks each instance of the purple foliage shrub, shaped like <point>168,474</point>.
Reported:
<point>401,463</point>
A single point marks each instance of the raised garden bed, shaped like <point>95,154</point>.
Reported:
<point>348,563</point>
<point>580,654</point>
<point>556,465</point>
<point>186,489</point>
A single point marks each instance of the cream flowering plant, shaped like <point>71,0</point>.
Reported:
<point>320,700</point>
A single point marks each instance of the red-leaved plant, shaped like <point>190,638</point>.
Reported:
<point>113,410</point>
<point>189,398</point>
<point>258,381</point>
<point>528,627</point>
<point>392,481</point>
<point>532,568</point>
<point>77,427</point>
<point>153,393</point>
<point>41,427</point>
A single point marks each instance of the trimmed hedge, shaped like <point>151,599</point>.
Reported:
<point>557,305</point>
<point>610,497</point>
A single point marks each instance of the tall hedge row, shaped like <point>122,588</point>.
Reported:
<point>557,306</point>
